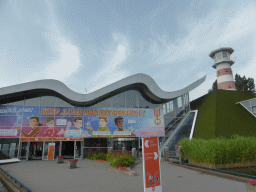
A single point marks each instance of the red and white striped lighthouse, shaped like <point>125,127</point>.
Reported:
<point>223,64</point>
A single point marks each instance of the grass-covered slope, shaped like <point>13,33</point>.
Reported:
<point>206,118</point>
<point>3,156</point>
<point>219,115</point>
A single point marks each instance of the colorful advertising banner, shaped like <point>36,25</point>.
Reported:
<point>151,165</point>
<point>64,123</point>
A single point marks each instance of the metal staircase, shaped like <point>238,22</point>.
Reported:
<point>183,128</point>
<point>171,131</point>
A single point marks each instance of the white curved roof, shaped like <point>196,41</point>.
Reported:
<point>143,82</point>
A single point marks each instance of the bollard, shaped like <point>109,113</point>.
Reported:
<point>180,154</point>
<point>134,153</point>
<point>110,149</point>
<point>181,159</point>
<point>166,154</point>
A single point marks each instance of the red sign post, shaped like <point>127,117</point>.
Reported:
<point>151,165</point>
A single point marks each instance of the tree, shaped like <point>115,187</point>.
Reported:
<point>214,86</point>
<point>242,84</point>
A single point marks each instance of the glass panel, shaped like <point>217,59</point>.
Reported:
<point>68,149</point>
<point>246,104</point>
<point>57,149</point>
<point>218,57</point>
<point>156,106</point>
<point>225,55</point>
<point>62,103</point>
<point>143,103</point>
<point>132,100</point>
<point>171,106</point>
<point>118,101</point>
<point>32,101</point>
<point>92,142</point>
<point>16,103</point>
<point>164,109</point>
<point>168,107</point>
<point>103,142</point>
<point>48,101</point>
<point>78,151</point>
<point>5,149</point>
<point>45,155</point>
<point>13,152</point>
<point>179,102</point>
<point>23,150</point>
<point>253,102</point>
<point>35,150</point>
<point>254,109</point>
<point>105,104</point>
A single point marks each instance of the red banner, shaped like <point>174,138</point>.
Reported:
<point>151,165</point>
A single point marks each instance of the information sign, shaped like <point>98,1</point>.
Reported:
<point>151,165</point>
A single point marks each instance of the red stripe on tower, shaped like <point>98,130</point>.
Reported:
<point>223,65</point>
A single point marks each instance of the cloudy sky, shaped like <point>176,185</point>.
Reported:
<point>89,44</point>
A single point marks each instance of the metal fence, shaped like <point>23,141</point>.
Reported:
<point>219,170</point>
<point>16,180</point>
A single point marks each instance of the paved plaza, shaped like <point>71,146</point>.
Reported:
<point>99,176</point>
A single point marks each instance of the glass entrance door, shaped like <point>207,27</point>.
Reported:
<point>35,150</point>
<point>78,152</point>
<point>57,149</point>
<point>23,150</point>
<point>45,151</point>
<point>68,149</point>
<point>127,143</point>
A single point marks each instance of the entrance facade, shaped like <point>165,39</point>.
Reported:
<point>39,150</point>
<point>127,143</point>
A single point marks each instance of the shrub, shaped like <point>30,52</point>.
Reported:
<point>90,155</point>
<point>117,159</point>
<point>95,156</point>
<point>102,156</point>
<point>220,150</point>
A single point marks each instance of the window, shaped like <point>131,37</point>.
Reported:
<point>179,102</point>
<point>131,99</point>
<point>32,101</point>
<point>16,103</point>
<point>171,106</point>
<point>62,103</point>
<point>254,110</point>
<point>218,57</point>
<point>105,103</point>
<point>164,109</point>
<point>48,101</point>
<point>143,103</point>
<point>118,101</point>
<point>225,55</point>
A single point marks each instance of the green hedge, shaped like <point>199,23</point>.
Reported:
<point>97,155</point>
<point>115,158</point>
<point>218,151</point>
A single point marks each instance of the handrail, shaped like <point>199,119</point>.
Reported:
<point>170,126</point>
<point>16,180</point>
<point>220,170</point>
<point>170,137</point>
